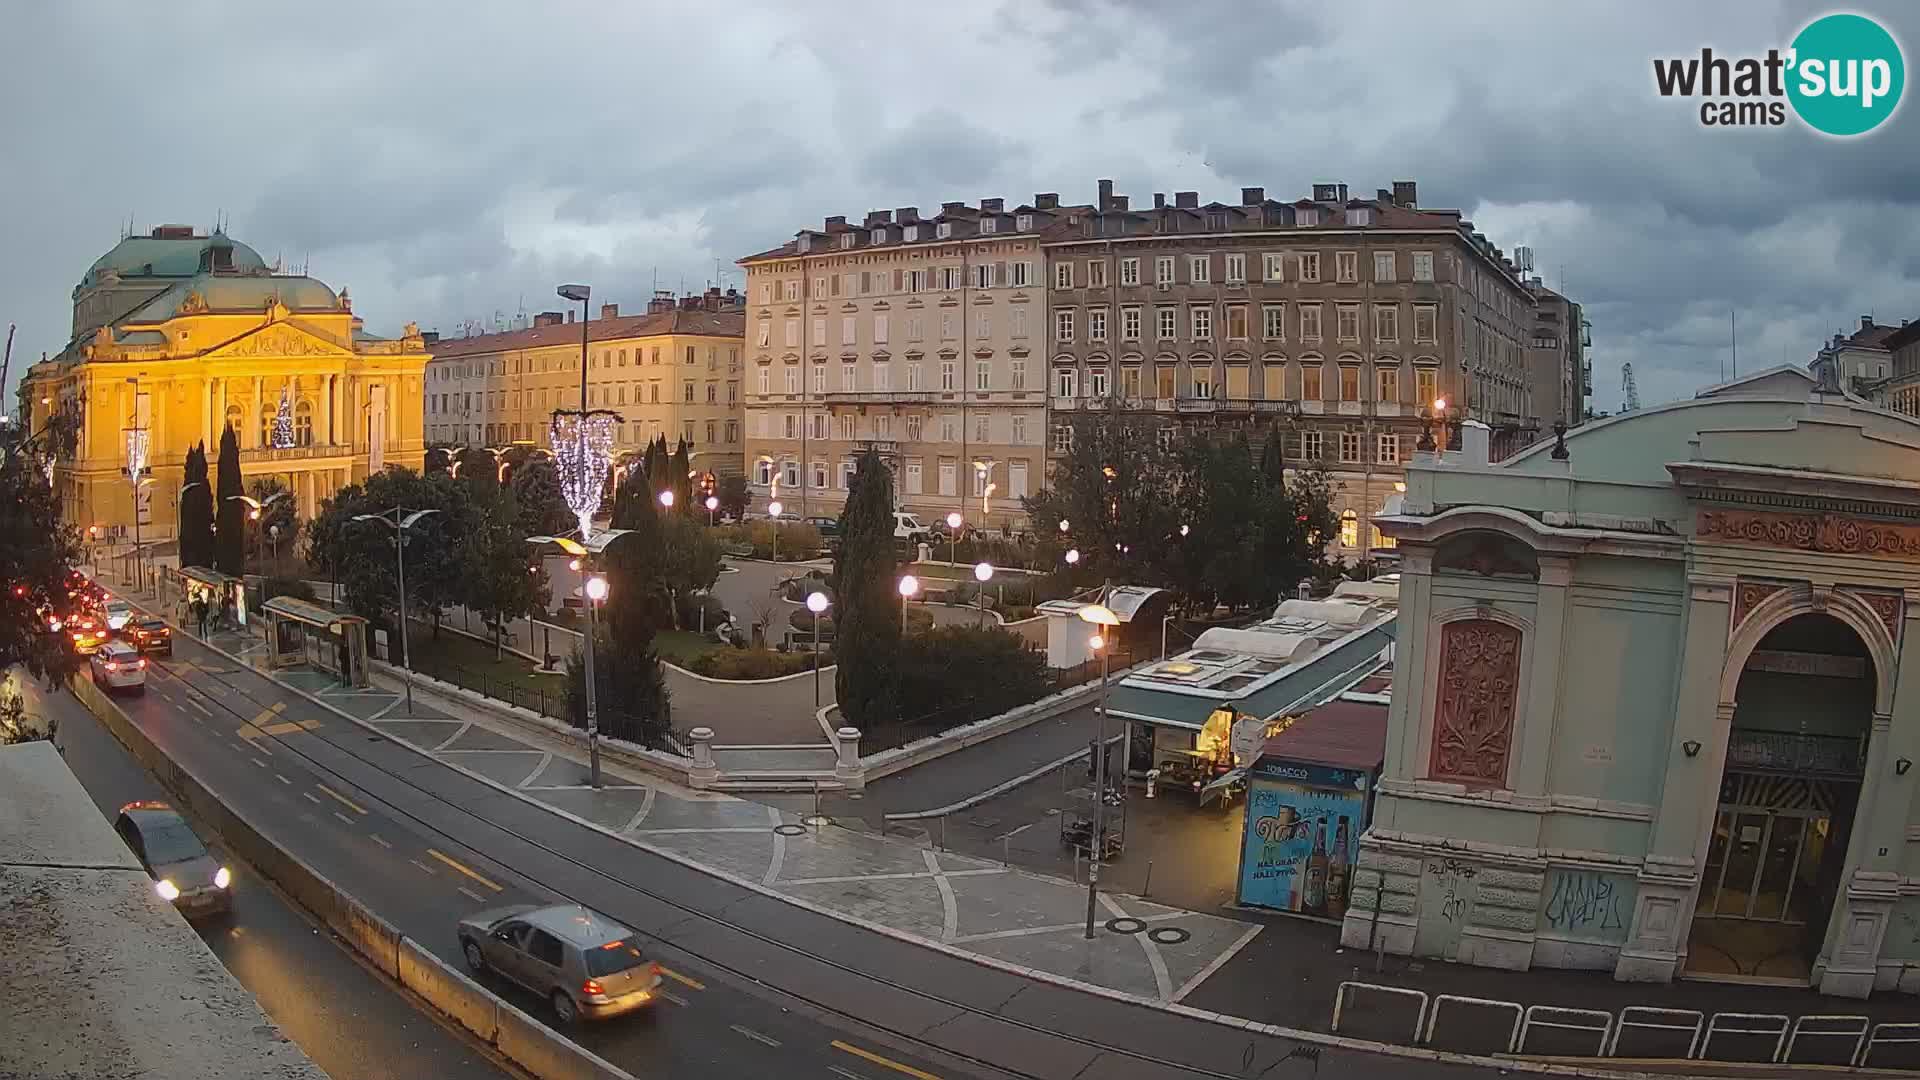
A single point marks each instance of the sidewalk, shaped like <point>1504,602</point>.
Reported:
<point>971,772</point>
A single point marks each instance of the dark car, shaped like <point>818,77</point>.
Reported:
<point>828,526</point>
<point>151,636</point>
<point>183,871</point>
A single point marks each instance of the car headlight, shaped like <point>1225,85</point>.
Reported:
<point>167,890</point>
<point>222,878</point>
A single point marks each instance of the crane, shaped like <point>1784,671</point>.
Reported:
<point>1629,393</point>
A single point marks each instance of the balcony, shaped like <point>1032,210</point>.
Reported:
<point>876,397</point>
<point>267,455</point>
<point>1801,755</point>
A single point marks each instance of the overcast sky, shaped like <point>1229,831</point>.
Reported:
<point>453,161</point>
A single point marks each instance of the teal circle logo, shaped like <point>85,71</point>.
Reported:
<point>1846,75</point>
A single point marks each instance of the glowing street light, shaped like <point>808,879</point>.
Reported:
<point>817,603</point>
<point>713,503</point>
<point>1063,525</point>
<point>666,499</point>
<point>1102,617</point>
<point>596,588</point>
<point>1073,556</point>
<point>909,585</point>
<point>953,535</point>
<point>983,573</point>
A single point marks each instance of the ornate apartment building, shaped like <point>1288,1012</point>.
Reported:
<point>924,336</point>
<point>674,371</point>
<point>1332,320</point>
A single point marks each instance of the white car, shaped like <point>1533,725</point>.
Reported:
<point>906,527</point>
<point>117,613</point>
<point>119,666</point>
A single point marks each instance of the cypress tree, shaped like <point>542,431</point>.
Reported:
<point>229,542</point>
<point>866,643</point>
<point>196,511</point>
<point>678,481</point>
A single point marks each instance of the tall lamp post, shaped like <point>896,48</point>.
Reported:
<point>594,591</point>
<point>983,573</point>
<point>1104,621</point>
<point>817,603</point>
<point>713,503</point>
<point>255,508</point>
<point>909,585</point>
<point>400,521</point>
<point>773,522</point>
<point>953,535</point>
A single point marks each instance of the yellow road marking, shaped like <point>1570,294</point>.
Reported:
<point>883,1062</point>
<point>463,868</point>
<point>683,979</point>
<point>341,799</point>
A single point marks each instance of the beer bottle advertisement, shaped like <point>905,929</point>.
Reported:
<point>1282,866</point>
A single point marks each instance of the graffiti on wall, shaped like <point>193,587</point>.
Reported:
<point>1588,904</point>
<point>1447,891</point>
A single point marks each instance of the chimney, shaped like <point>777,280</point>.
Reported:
<point>173,232</point>
<point>1325,192</point>
<point>952,207</point>
<point>879,217</point>
<point>1047,200</point>
<point>609,311</point>
<point>1120,203</point>
<point>838,220</point>
<point>1187,200</point>
<point>1866,322</point>
<point>1476,443</point>
<point>1383,196</point>
<point>1252,196</point>
<point>1406,193</point>
<point>993,206</point>
<point>1106,195</point>
<point>569,316</point>
<point>1159,200</point>
<point>662,301</point>
<point>908,215</point>
<point>430,337</point>
<point>549,318</point>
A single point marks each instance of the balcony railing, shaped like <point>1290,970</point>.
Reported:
<point>265,454</point>
<point>1789,752</point>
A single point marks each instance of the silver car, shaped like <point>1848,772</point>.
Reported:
<point>583,963</point>
<point>184,873</point>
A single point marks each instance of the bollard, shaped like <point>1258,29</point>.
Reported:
<point>1153,776</point>
<point>847,766</point>
<point>703,772</point>
<point>1147,889</point>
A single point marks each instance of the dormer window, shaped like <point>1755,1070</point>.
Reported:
<point>1217,220</point>
<point>878,236</point>
<point>846,240</point>
<point>1360,215</point>
<point>988,224</point>
<point>804,242</point>
<point>910,233</point>
<point>1023,222</point>
<point>943,230</point>
<point>1308,216</point>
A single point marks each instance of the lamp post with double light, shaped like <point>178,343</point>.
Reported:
<point>400,521</point>
<point>593,592</point>
<point>256,509</point>
<point>817,603</point>
<point>1104,622</point>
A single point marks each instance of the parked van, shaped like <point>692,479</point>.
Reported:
<point>907,529</point>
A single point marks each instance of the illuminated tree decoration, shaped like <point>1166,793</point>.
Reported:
<point>582,452</point>
<point>283,421</point>
<point>137,442</point>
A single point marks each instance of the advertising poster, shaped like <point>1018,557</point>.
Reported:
<point>1302,836</point>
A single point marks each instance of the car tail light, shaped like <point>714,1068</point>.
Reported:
<point>592,988</point>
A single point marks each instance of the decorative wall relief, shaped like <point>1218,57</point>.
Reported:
<point>1887,605</point>
<point>1588,904</point>
<point>1831,533</point>
<point>1474,709</point>
<point>1748,595</point>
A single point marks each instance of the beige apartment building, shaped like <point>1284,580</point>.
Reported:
<point>1334,321</point>
<point>673,372</point>
<point>922,336</point>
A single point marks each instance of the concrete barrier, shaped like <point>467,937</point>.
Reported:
<point>449,990</point>
<point>546,1053</point>
<point>370,935</point>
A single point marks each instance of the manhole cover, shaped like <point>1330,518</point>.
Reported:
<point>790,830</point>
<point>1125,925</point>
<point>1168,935</point>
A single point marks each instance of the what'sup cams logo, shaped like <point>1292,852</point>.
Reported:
<point>1843,76</point>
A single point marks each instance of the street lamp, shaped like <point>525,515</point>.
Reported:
<point>594,590</point>
<point>773,523</point>
<point>713,503</point>
<point>816,603</point>
<point>400,526</point>
<point>1073,556</point>
<point>255,507</point>
<point>953,536</point>
<point>909,585</point>
<point>666,499</point>
<point>983,573</point>
<point>1104,619</point>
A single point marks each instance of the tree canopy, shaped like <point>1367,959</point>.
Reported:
<point>230,514</point>
<point>196,510</point>
<point>866,641</point>
<point>37,549</point>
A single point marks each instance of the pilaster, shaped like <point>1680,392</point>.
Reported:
<point>1541,709</point>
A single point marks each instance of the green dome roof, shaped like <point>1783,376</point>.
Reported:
<point>229,292</point>
<point>170,256</point>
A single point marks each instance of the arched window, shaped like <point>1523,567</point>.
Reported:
<point>266,425</point>
<point>234,419</point>
<point>1349,529</point>
<point>303,424</point>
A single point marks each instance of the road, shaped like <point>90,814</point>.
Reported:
<point>760,987</point>
<point>310,984</point>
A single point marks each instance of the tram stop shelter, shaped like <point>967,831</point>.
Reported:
<point>300,632</point>
<point>222,592</point>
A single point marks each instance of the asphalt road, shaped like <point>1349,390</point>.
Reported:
<point>760,987</point>
<point>312,985</point>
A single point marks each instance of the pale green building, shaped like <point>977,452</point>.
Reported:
<point>1650,712</point>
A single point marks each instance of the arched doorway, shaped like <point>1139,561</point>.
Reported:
<point>1803,712</point>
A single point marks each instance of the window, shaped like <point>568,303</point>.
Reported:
<point>819,379</point>
<point>847,377</point>
<point>1273,322</point>
<point>913,428</point>
<point>1018,270</point>
<point>653,355</point>
<point>763,473</point>
<point>1272,269</point>
<point>653,388</point>
<point>1165,323</point>
<point>846,330</point>
<point>1383,266</point>
<point>879,329</point>
<point>1097,382</point>
<point>819,337</point>
<point>943,230</point>
<point>1063,275</point>
<point>948,477</point>
<point>1163,381</point>
<point>819,472</point>
<point>1163,270</point>
<point>1423,266</point>
<point>302,424</point>
<point>914,382</point>
<point>1360,215</point>
<point>733,431</point>
<point>1199,269</point>
<point>1310,374</point>
<point>917,280</point>
<point>882,375</point>
<point>914,476</point>
<point>793,333</point>
<point>1346,326</point>
<point>949,427</point>
<point>1349,382</point>
<point>1019,368</point>
<point>1425,316</point>
<point>1200,320</point>
<point>793,289</point>
<point>1236,322</point>
<point>1130,382</point>
<point>1309,266</point>
<point>948,380</point>
<point>1097,324</point>
<point>1023,222</point>
<point>686,392</point>
<point>766,381</point>
<point>792,424</point>
<point>983,374</point>
<point>1387,448</point>
<point>817,424</point>
<point>1203,380</point>
<point>1386,382</point>
<point>1346,266</point>
<point>1063,326</point>
<point>1236,269</point>
<point>1062,438</point>
<point>1017,479</point>
<point>1307,217</point>
<point>792,469</point>
<point>844,424</point>
<point>1129,271</point>
<point>1018,321</point>
<point>819,286</point>
<point>1386,324</point>
<point>989,225</point>
<point>1130,324</point>
<point>733,392</point>
<point>910,233</point>
<point>766,293</point>
<point>1349,521</point>
<point>1019,429</point>
<point>1350,448</point>
<point>1096,273</point>
<point>1311,446</point>
<point>1426,384</point>
<point>1063,382</point>
<point>982,427</point>
<point>852,283</point>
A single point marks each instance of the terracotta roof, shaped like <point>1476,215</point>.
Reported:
<point>1901,337</point>
<point>1341,734</point>
<point>707,323</point>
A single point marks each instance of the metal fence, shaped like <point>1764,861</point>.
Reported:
<point>551,702</point>
<point>967,710</point>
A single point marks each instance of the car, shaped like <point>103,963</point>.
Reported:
<point>907,528</point>
<point>117,613</point>
<point>184,873</point>
<point>119,666</point>
<point>828,526</point>
<point>586,965</point>
<point>151,636</point>
<point>86,633</point>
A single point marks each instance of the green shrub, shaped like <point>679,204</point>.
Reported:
<point>968,673</point>
<point>752,663</point>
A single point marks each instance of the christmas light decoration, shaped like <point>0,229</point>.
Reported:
<point>582,452</point>
<point>283,421</point>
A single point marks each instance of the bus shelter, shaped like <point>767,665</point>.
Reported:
<point>224,595</point>
<point>302,632</point>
